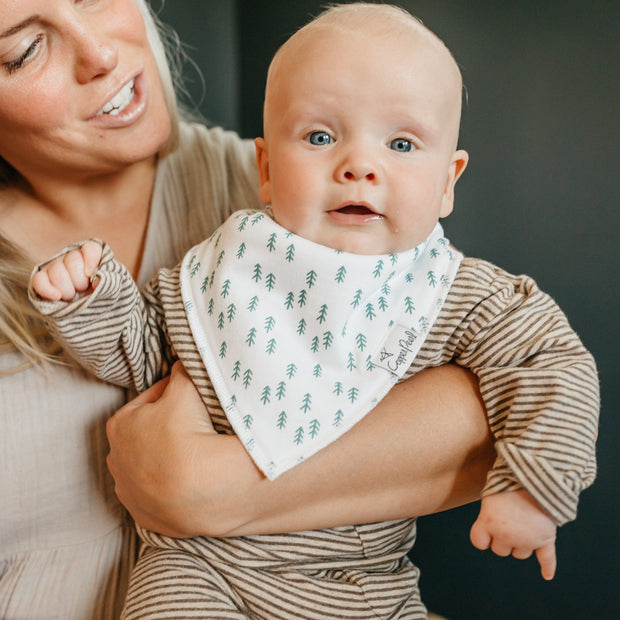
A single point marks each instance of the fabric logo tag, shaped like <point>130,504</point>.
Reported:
<point>398,350</point>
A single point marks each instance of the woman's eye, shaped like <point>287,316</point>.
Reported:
<point>320,138</point>
<point>17,63</point>
<point>401,145</point>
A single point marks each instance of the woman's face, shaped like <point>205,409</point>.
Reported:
<point>80,93</point>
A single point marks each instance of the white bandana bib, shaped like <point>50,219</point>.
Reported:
<point>301,341</point>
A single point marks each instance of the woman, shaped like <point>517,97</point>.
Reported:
<point>90,145</point>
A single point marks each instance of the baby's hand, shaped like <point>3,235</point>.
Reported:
<point>512,523</point>
<point>68,274</point>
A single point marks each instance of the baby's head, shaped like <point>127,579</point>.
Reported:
<point>361,119</point>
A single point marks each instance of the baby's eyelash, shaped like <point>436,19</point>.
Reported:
<point>16,64</point>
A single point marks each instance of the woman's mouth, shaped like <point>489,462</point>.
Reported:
<point>120,101</point>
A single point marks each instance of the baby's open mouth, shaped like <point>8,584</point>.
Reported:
<point>355,210</point>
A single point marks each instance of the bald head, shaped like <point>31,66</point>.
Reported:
<point>364,27</point>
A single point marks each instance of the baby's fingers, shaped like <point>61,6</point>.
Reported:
<point>547,560</point>
<point>91,255</point>
<point>480,536</point>
<point>44,288</point>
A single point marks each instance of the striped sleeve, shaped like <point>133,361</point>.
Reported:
<point>538,382</point>
<point>112,332</point>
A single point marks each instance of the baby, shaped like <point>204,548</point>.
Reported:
<point>293,322</point>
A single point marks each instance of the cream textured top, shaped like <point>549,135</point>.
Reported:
<point>66,544</point>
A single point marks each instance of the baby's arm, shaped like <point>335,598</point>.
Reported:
<point>108,327</point>
<point>64,277</point>
<point>512,523</point>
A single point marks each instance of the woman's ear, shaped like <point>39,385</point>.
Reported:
<point>457,166</point>
<point>262,161</point>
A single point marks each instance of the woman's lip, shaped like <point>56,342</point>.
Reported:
<point>129,113</point>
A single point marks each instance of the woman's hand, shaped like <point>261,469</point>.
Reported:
<point>151,442</point>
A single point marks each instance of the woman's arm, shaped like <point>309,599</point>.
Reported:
<point>425,448</point>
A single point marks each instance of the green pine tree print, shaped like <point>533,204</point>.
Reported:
<point>282,420</point>
<point>322,316</point>
<point>302,298</point>
<point>291,370</point>
<point>225,289</point>
<point>317,371</point>
<point>251,337</point>
<point>281,390</point>
<point>299,436</point>
<point>311,278</point>
<point>353,393</point>
<point>357,298</point>
<point>328,339</point>
<point>223,348</point>
<point>341,274</point>
<point>338,388</point>
<point>220,320</point>
<point>248,421</point>
<point>266,395</point>
<point>306,403</point>
<point>247,378</point>
<point>409,305</point>
<point>257,273</point>
<point>271,242</point>
<point>431,278</point>
<point>378,268</point>
<point>236,370</point>
<point>314,347</point>
<point>269,323</point>
<point>338,417</point>
<point>301,327</point>
<point>210,306</point>
<point>314,428</point>
<point>370,311</point>
<point>241,250</point>
<point>289,302</point>
<point>361,341</point>
<point>271,347</point>
<point>270,281</point>
<point>220,258</point>
<point>253,304</point>
<point>231,311</point>
<point>351,362</point>
<point>290,253</point>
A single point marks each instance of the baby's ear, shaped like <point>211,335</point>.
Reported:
<point>457,166</point>
<point>262,161</point>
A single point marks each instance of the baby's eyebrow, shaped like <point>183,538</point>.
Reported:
<point>13,29</point>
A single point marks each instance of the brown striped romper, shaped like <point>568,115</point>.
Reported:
<point>538,382</point>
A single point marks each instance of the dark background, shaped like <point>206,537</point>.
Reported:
<point>539,196</point>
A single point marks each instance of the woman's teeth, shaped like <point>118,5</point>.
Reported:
<point>120,101</point>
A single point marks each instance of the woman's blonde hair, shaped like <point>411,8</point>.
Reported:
<point>20,327</point>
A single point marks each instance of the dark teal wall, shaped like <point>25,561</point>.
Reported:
<point>540,196</point>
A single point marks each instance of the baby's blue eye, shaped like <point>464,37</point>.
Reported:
<point>320,138</point>
<point>401,145</point>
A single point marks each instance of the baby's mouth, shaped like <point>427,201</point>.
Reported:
<point>356,210</point>
<point>355,214</point>
<point>120,101</point>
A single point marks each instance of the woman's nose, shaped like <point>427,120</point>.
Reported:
<point>95,56</point>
